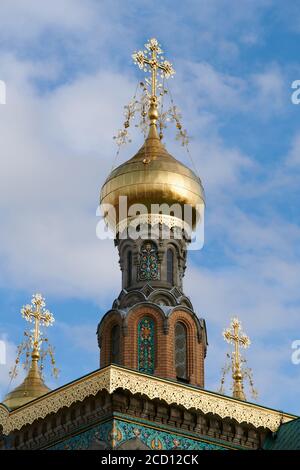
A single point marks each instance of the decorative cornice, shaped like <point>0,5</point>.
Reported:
<point>153,220</point>
<point>113,377</point>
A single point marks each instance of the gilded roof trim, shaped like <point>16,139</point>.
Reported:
<point>113,377</point>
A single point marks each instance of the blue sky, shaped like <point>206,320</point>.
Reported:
<point>68,70</point>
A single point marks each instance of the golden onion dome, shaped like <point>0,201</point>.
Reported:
<point>152,176</point>
<point>31,388</point>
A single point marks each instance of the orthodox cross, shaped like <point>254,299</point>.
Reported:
<point>35,313</point>
<point>146,106</point>
<point>235,336</point>
<point>149,60</point>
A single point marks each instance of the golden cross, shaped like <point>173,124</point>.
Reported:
<point>36,312</point>
<point>234,335</point>
<point>149,59</point>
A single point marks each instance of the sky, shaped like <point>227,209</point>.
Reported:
<point>68,72</point>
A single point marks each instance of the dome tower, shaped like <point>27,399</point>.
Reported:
<point>153,202</point>
<point>36,347</point>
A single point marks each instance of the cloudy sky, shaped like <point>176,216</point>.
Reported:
<point>68,72</point>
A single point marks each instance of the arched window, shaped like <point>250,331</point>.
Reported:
<point>181,363</point>
<point>146,347</point>
<point>115,344</point>
<point>170,266</point>
<point>148,268</point>
<point>129,268</point>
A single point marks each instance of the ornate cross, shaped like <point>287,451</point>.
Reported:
<point>151,60</point>
<point>238,338</point>
<point>148,60</point>
<point>235,336</point>
<point>37,313</point>
<point>31,345</point>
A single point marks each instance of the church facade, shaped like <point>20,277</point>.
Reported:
<point>149,392</point>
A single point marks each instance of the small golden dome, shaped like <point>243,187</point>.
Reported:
<point>32,387</point>
<point>152,176</point>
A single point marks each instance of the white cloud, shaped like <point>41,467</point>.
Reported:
<point>27,19</point>
<point>293,157</point>
<point>56,152</point>
<point>225,93</point>
<point>81,337</point>
<point>88,27</point>
<point>270,87</point>
<point>215,88</point>
<point>6,384</point>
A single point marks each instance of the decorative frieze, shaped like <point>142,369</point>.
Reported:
<point>112,378</point>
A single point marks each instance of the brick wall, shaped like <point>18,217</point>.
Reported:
<point>164,342</point>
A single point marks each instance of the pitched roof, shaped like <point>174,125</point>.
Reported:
<point>287,437</point>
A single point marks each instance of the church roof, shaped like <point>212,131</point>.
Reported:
<point>287,437</point>
<point>113,377</point>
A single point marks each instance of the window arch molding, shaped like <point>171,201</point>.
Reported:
<point>124,246</point>
<point>134,315</point>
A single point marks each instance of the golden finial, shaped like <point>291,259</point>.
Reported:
<point>151,60</point>
<point>34,339</point>
<point>36,348</point>
<point>234,335</point>
<point>148,102</point>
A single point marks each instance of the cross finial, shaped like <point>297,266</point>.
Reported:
<point>41,317</point>
<point>235,336</point>
<point>37,313</point>
<point>151,60</point>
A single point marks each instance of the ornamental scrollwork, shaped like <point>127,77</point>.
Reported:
<point>148,265</point>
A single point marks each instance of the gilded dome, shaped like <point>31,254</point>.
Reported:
<point>153,176</point>
<point>31,388</point>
